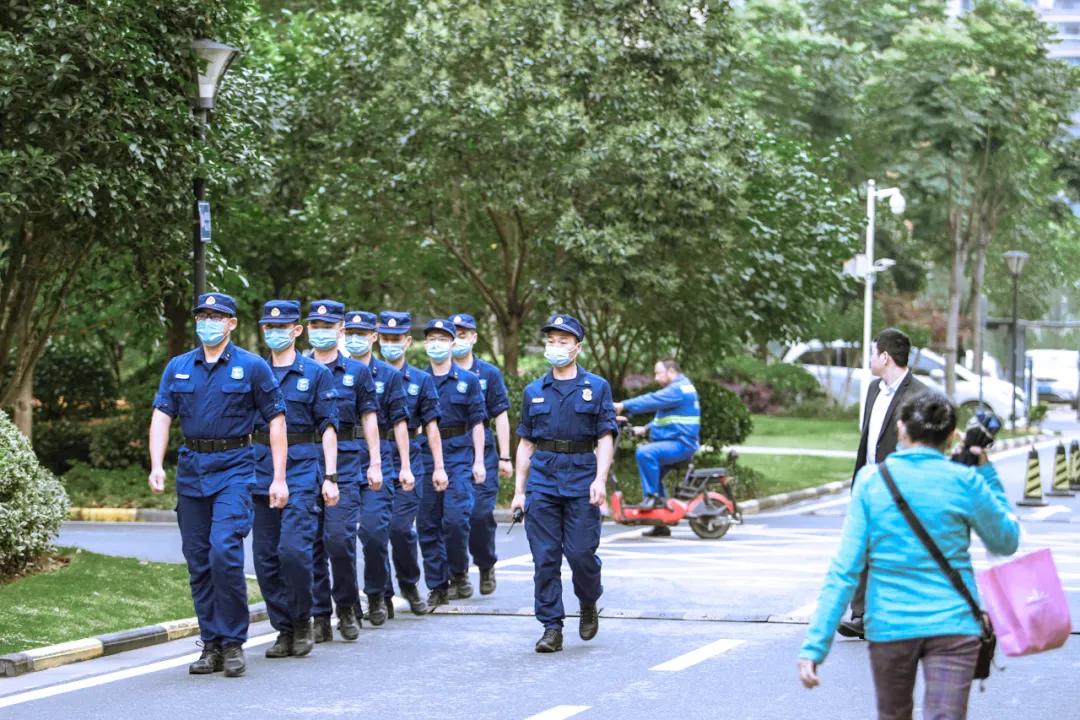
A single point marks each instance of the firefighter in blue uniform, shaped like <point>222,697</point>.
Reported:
<point>219,391</point>
<point>567,433</point>
<point>443,522</point>
<point>282,540</point>
<point>377,505</point>
<point>425,449</point>
<point>358,439</point>
<point>674,432</point>
<point>497,463</point>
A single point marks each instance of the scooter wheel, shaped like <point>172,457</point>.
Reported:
<point>712,527</point>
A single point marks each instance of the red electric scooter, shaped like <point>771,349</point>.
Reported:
<point>705,497</point>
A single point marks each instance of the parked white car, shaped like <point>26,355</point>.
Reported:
<point>1056,374</point>
<point>837,367</point>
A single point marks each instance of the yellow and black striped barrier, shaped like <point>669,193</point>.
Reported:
<point>1074,464</point>
<point>1033,494</point>
<point>1062,477</point>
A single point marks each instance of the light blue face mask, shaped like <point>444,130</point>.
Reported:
<point>323,338</point>
<point>437,350</point>
<point>210,332</point>
<point>557,356</point>
<point>358,344</point>
<point>461,348</point>
<point>392,351</point>
<point>278,339</point>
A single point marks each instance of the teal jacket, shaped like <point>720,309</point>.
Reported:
<point>907,595</point>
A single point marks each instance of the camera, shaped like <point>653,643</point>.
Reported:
<point>980,432</point>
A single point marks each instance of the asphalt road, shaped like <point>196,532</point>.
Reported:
<point>689,628</point>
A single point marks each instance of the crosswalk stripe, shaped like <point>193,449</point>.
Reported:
<point>559,712</point>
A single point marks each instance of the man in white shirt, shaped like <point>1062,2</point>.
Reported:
<point>888,361</point>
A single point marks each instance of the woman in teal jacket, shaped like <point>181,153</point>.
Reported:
<point>913,611</point>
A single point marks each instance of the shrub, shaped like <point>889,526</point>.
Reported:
<point>32,501</point>
<point>724,418</point>
<point>73,380</point>
<point>792,384</point>
<point>61,443</point>
<point>121,487</point>
<point>741,369</point>
<point>120,441</point>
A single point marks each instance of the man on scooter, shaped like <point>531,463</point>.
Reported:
<point>674,432</point>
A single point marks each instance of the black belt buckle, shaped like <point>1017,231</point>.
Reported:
<point>562,446</point>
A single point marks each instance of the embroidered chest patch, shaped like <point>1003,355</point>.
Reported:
<point>237,373</point>
<point>414,389</point>
<point>379,387</point>
<point>348,381</point>
<point>463,387</point>
<point>303,384</point>
<point>483,384</point>
<point>586,394</point>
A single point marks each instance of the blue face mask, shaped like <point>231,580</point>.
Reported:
<point>392,351</point>
<point>278,339</point>
<point>461,348</point>
<point>358,344</point>
<point>323,338</point>
<point>210,332</point>
<point>557,356</point>
<point>437,350</point>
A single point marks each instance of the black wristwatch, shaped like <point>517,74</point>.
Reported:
<point>331,477</point>
<point>502,459</point>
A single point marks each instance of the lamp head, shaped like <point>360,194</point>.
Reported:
<point>213,59</point>
<point>897,204</point>
<point>1014,260</point>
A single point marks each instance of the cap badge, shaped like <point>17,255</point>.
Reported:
<point>586,394</point>
<point>558,321</point>
<point>439,324</point>
<point>391,322</point>
<point>275,312</point>
<point>322,310</point>
<point>211,300</point>
<point>356,318</point>
<point>457,318</point>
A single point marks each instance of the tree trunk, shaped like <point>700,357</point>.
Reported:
<point>178,341</point>
<point>24,404</point>
<point>510,339</point>
<point>952,332</point>
<point>978,279</point>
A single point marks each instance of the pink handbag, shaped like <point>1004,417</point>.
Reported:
<point>1026,603</point>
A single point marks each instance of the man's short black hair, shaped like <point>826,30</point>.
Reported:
<point>896,343</point>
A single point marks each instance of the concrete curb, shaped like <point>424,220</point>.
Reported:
<point>769,502</point>
<point>21,663</point>
<point>1013,443</point>
<point>121,515</point>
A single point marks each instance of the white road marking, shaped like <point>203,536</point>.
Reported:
<point>806,509</point>
<point>559,712</point>
<point>526,558</point>
<point>803,611</point>
<point>1043,513</point>
<point>107,678</point>
<point>696,656</point>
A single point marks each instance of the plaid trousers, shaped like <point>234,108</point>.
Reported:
<point>948,665</point>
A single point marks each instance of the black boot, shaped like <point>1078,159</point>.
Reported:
<point>487,581</point>
<point>303,638</point>
<point>550,642</point>
<point>416,603</point>
<point>211,661</point>
<point>590,622</point>
<point>853,628</point>
<point>650,502</point>
<point>658,531</point>
<point>376,609</point>
<point>436,598</point>
<point>281,648</point>
<point>323,633</point>
<point>389,607</point>
<point>460,587</point>
<point>348,623</point>
<point>235,664</point>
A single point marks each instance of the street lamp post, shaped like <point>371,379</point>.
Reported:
<point>212,60</point>
<point>897,205</point>
<point>1014,260</point>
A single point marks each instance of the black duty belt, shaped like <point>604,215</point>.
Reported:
<point>565,446</point>
<point>292,438</point>
<point>208,445</point>
<point>452,431</point>
<point>350,432</point>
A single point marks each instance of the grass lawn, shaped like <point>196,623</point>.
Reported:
<point>785,473</point>
<point>85,594</point>
<point>771,431</point>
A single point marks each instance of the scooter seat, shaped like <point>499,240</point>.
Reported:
<point>712,473</point>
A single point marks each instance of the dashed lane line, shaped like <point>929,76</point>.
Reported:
<point>697,656</point>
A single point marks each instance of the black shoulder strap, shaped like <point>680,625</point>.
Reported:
<point>931,547</point>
